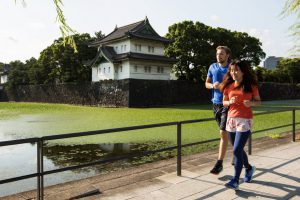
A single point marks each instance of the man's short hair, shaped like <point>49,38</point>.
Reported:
<point>225,48</point>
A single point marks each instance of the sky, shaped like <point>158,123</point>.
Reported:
<point>27,30</point>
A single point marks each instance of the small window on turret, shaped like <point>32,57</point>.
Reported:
<point>150,49</point>
<point>135,68</point>
<point>138,47</point>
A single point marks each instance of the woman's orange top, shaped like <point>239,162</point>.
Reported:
<point>238,109</point>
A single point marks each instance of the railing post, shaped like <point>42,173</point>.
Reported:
<point>250,144</point>
<point>38,148</point>
<point>42,169</point>
<point>294,125</point>
<point>179,149</point>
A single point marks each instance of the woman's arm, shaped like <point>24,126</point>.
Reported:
<point>255,102</point>
<point>226,101</point>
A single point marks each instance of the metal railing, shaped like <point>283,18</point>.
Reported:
<point>40,143</point>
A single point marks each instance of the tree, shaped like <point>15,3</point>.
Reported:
<point>33,71</point>
<point>1,66</point>
<point>18,74</point>
<point>195,45</point>
<point>290,67</point>
<point>293,7</point>
<point>58,63</point>
<point>287,71</point>
<point>99,35</point>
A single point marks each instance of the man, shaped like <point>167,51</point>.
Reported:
<point>215,76</point>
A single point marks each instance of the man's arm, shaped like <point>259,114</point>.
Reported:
<point>210,85</point>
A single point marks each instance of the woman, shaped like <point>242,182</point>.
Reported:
<point>240,94</point>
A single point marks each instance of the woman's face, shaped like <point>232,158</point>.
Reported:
<point>236,73</point>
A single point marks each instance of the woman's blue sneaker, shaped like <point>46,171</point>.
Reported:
<point>232,184</point>
<point>249,175</point>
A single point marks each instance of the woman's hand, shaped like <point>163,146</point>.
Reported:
<point>233,100</point>
<point>247,103</point>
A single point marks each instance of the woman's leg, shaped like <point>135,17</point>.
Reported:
<point>231,137</point>
<point>240,155</point>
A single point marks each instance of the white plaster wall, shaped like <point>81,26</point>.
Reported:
<point>153,75</point>
<point>95,77</point>
<point>125,70</point>
<point>99,74</point>
<point>118,46</point>
<point>158,47</point>
<point>3,79</point>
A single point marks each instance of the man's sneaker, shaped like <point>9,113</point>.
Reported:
<point>217,169</point>
<point>249,174</point>
<point>233,184</point>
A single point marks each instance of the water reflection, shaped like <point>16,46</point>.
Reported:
<point>19,160</point>
<point>63,156</point>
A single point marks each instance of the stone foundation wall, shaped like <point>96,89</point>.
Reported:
<point>133,93</point>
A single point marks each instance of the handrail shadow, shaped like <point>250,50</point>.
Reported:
<point>291,190</point>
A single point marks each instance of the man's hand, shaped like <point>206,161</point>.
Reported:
<point>216,85</point>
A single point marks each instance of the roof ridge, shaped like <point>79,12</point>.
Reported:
<point>131,24</point>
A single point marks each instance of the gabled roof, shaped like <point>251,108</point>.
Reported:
<point>110,55</point>
<point>141,29</point>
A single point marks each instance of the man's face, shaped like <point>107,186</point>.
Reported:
<point>222,56</point>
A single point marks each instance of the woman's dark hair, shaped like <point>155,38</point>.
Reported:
<point>249,79</point>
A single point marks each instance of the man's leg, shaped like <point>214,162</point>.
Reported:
<point>221,118</point>
<point>223,144</point>
<point>222,151</point>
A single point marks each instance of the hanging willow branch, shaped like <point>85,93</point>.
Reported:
<point>293,7</point>
<point>65,29</point>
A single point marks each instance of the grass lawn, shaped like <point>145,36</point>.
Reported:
<point>24,120</point>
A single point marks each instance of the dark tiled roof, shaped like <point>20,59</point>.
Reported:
<point>141,56</point>
<point>110,54</point>
<point>141,29</point>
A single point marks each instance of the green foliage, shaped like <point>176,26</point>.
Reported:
<point>291,68</point>
<point>58,63</point>
<point>287,71</point>
<point>195,45</point>
<point>66,31</point>
<point>99,35</point>
<point>18,74</point>
<point>293,7</point>
<point>1,66</point>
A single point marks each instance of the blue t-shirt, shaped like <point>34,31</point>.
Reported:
<point>216,73</point>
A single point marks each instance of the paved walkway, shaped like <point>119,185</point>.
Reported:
<point>277,177</point>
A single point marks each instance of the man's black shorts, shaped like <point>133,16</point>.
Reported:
<point>220,113</point>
